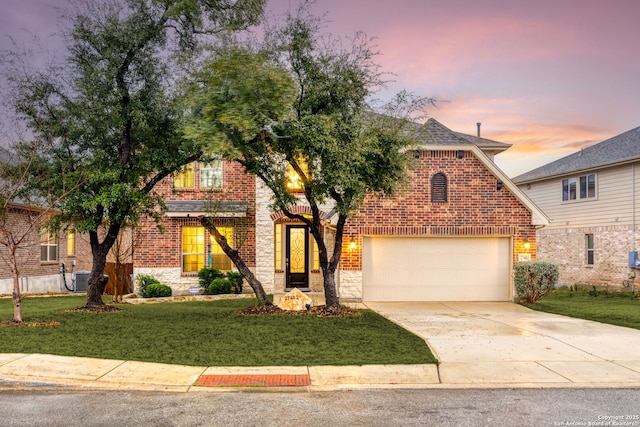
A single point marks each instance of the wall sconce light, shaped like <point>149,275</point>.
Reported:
<point>459,154</point>
<point>352,243</point>
<point>498,185</point>
<point>416,154</point>
<point>527,244</point>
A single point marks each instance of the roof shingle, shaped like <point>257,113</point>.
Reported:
<point>435,132</point>
<point>619,149</point>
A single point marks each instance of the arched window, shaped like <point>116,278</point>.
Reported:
<point>439,189</point>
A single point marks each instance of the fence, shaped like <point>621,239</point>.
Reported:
<point>123,285</point>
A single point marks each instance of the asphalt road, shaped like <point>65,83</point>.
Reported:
<point>436,407</point>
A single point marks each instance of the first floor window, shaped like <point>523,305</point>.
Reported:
<point>192,249</point>
<point>217,258</point>
<point>278,248</point>
<point>589,249</point>
<point>71,243</point>
<point>48,248</point>
<point>316,255</point>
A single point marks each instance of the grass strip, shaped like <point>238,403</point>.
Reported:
<point>615,308</point>
<point>208,334</point>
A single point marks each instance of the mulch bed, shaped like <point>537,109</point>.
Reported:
<point>318,311</point>
<point>94,309</point>
<point>42,324</point>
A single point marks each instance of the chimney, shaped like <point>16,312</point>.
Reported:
<point>478,124</point>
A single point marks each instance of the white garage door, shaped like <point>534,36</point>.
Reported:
<point>436,269</point>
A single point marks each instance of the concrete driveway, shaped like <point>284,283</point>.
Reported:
<point>505,343</point>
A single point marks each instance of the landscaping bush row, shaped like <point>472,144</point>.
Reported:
<point>211,280</point>
<point>214,282</point>
<point>150,287</point>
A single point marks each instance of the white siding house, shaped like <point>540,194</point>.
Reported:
<point>592,201</point>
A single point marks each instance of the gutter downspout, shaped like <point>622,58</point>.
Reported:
<point>633,215</point>
<point>633,203</point>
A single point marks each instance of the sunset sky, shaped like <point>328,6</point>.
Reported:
<point>548,76</point>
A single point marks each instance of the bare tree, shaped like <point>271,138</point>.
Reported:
<point>20,220</point>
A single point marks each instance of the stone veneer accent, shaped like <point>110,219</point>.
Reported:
<point>265,244</point>
<point>169,276</point>
<point>567,248</point>
<point>350,287</point>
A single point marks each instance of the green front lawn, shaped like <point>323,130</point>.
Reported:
<point>622,309</point>
<point>208,334</point>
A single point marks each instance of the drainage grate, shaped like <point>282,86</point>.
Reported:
<point>254,380</point>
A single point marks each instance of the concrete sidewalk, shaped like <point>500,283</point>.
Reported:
<point>39,370</point>
<point>80,372</point>
<point>479,345</point>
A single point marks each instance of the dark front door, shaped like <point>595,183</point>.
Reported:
<point>297,256</point>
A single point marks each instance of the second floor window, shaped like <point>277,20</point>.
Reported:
<point>583,187</point>
<point>185,177</point>
<point>211,175</point>
<point>294,181</point>
<point>588,186</point>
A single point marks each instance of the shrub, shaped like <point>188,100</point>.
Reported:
<point>143,281</point>
<point>208,275</point>
<point>533,280</point>
<point>156,290</point>
<point>236,281</point>
<point>219,285</point>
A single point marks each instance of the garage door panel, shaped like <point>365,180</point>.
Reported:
<point>436,269</point>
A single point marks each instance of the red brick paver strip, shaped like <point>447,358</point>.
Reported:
<point>253,380</point>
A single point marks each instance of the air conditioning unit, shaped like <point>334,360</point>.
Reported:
<point>80,280</point>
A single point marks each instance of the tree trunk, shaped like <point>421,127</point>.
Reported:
<point>96,283</point>
<point>329,271</point>
<point>17,299</point>
<point>330,293</point>
<point>99,252</point>
<point>237,261</point>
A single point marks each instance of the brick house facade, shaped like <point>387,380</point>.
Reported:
<point>456,201</point>
<point>40,256</point>
<point>160,251</point>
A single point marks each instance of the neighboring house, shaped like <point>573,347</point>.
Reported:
<point>590,198</point>
<point>40,255</point>
<point>453,232</point>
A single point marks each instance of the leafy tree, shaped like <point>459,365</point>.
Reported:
<point>302,101</point>
<point>109,115</point>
